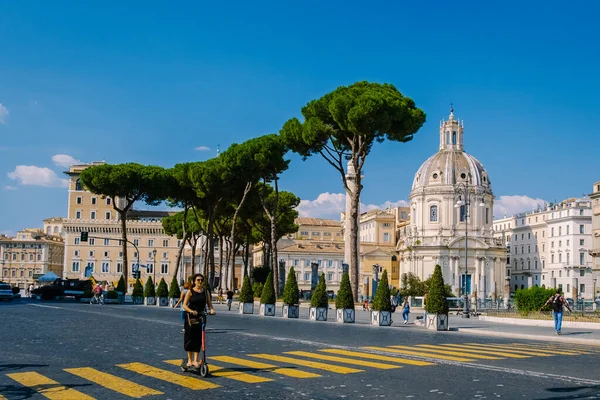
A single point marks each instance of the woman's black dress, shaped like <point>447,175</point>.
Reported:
<point>192,339</point>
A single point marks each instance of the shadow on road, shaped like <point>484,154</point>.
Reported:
<point>574,392</point>
<point>222,330</point>
<point>16,367</point>
<point>21,392</point>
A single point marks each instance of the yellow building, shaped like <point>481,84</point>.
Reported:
<point>30,254</point>
<point>102,255</point>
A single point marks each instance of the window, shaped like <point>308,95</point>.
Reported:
<point>582,288</point>
<point>149,255</point>
<point>108,201</point>
<point>529,235</point>
<point>105,267</point>
<point>136,242</point>
<point>326,233</point>
<point>386,225</point>
<point>75,266</point>
<point>543,247</point>
<point>150,268</point>
<point>106,242</point>
<point>330,263</point>
<point>304,233</point>
<point>307,263</point>
<point>386,237</point>
<point>581,229</point>
<point>463,213</point>
<point>582,242</point>
<point>528,264</point>
<point>90,266</point>
<point>560,243</point>
<point>552,232</point>
<point>522,236</point>
<point>76,253</point>
<point>552,258</point>
<point>94,200</point>
<point>106,254</point>
<point>93,215</point>
<point>307,276</point>
<point>76,241</point>
<point>79,200</point>
<point>296,263</point>
<point>559,257</point>
<point>92,241</point>
<point>150,242</point>
<point>164,268</point>
<point>528,249</point>
<point>165,242</point>
<point>165,256</point>
<point>107,215</point>
<point>78,185</point>
<point>567,229</point>
<point>316,233</point>
<point>78,215</point>
<point>580,212</point>
<point>559,230</point>
<point>91,253</point>
<point>330,276</point>
<point>119,267</point>
<point>552,244</point>
<point>568,258</point>
<point>433,214</point>
<point>581,258</point>
<point>30,257</point>
<point>582,272</point>
<point>535,264</point>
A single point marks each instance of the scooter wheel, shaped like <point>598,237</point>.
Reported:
<point>203,370</point>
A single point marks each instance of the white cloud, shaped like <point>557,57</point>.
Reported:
<point>8,187</point>
<point>510,205</point>
<point>37,176</point>
<point>202,148</point>
<point>330,205</point>
<point>3,114</point>
<point>64,160</point>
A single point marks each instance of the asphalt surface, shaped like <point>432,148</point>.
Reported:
<point>63,350</point>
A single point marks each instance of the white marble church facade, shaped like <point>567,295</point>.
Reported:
<point>451,221</point>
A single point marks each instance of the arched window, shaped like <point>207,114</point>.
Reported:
<point>78,185</point>
<point>49,230</point>
<point>522,286</point>
<point>56,229</point>
<point>454,137</point>
<point>516,287</point>
<point>447,137</point>
<point>433,214</point>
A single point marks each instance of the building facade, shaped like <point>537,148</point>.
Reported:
<point>451,205</point>
<point>30,254</point>
<point>595,245</point>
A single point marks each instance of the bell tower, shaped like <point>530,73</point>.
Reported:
<point>451,133</point>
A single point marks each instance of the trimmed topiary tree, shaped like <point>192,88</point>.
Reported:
<point>138,291</point>
<point>174,291</point>
<point>437,304</point>
<point>149,292</point>
<point>246,295</point>
<point>162,290</point>
<point>291,295</point>
<point>382,301</point>
<point>319,303</point>
<point>267,299</point>
<point>344,302</point>
<point>257,289</point>
<point>121,288</point>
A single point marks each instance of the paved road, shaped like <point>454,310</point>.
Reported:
<point>62,350</point>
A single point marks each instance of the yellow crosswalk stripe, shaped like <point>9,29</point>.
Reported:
<point>417,353</point>
<point>2,397</point>
<point>310,364</point>
<point>533,349</point>
<point>47,387</point>
<point>468,349</point>
<point>343,360</point>
<point>564,347</point>
<point>432,349</point>
<point>189,382</point>
<point>294,373</point>
<point>221,372</point>
<point>377,357</point>
<point>537,347</point>
<point>112,382</point>
<point>511,350</point>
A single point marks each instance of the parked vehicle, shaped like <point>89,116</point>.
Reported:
<point>6,292</point>
<point>64,287</point>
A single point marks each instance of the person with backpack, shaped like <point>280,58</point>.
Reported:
<point>557,301</point>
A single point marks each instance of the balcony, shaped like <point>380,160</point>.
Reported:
<point>594,252</point>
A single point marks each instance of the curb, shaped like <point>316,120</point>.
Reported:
<point>540,322</point>
<point>538,338</point>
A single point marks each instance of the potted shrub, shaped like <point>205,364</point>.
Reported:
<point>257,289</point>
<point>437,305</point>
<point>382,304</point>
<point>344,302</point>
<point>86,297</point>
<point>319,303</point>
<point>121,290</point>
<point>174,292</point>
<point>149,292</point>
<point>112,297</point>
<point>291,296</point>
<point>246,298</point>
<point>162,294</point>
<point>267,299</point>
<point>137,294</point>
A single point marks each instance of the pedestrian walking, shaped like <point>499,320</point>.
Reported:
<point>186,288</point>
<point>557,301</point>
<point>194,304</point>
<point>406,310</point>
<point>229,298</point>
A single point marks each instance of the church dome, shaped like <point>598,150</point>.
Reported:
<point>451,164</point>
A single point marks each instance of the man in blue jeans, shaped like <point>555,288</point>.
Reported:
<point>557,301</point>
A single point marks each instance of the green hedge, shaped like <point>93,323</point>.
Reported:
<point>319,296</point>
<point>532,299</point>
<point>382,301</point>
<point>162,290</point>
<point>268,293</point>
<point>112,294</point>
<point>291,295</point>
<point>149,289</point>
<point>257,289</point>
<point>246,295</point>
<point>344,297</point>
<point>174,291</point>
<point>138,289</point>
<point>436,297</point>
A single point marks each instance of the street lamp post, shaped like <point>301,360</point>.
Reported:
<point>464,190</point>
<point>154,266</point>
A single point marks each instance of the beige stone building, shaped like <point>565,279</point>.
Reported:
<point>595,245</point>
<point>30,254</point>
<point>102,255</point>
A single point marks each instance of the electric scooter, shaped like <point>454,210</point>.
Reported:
<point>203,368</point>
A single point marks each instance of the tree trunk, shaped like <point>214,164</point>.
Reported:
<point>220,262</point>
<point>233,266</point>
<point>194,243</point>
<point>123,215</point>
<point>227,270</point>
<point>179,257</point>
<point>354,211</point>
<point>205,257</point>
<point>233,223</point>
<point>247,257</point>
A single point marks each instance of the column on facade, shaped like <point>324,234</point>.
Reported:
<point>494,268</point>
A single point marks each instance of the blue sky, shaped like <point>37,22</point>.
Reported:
<point>151,82</point>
